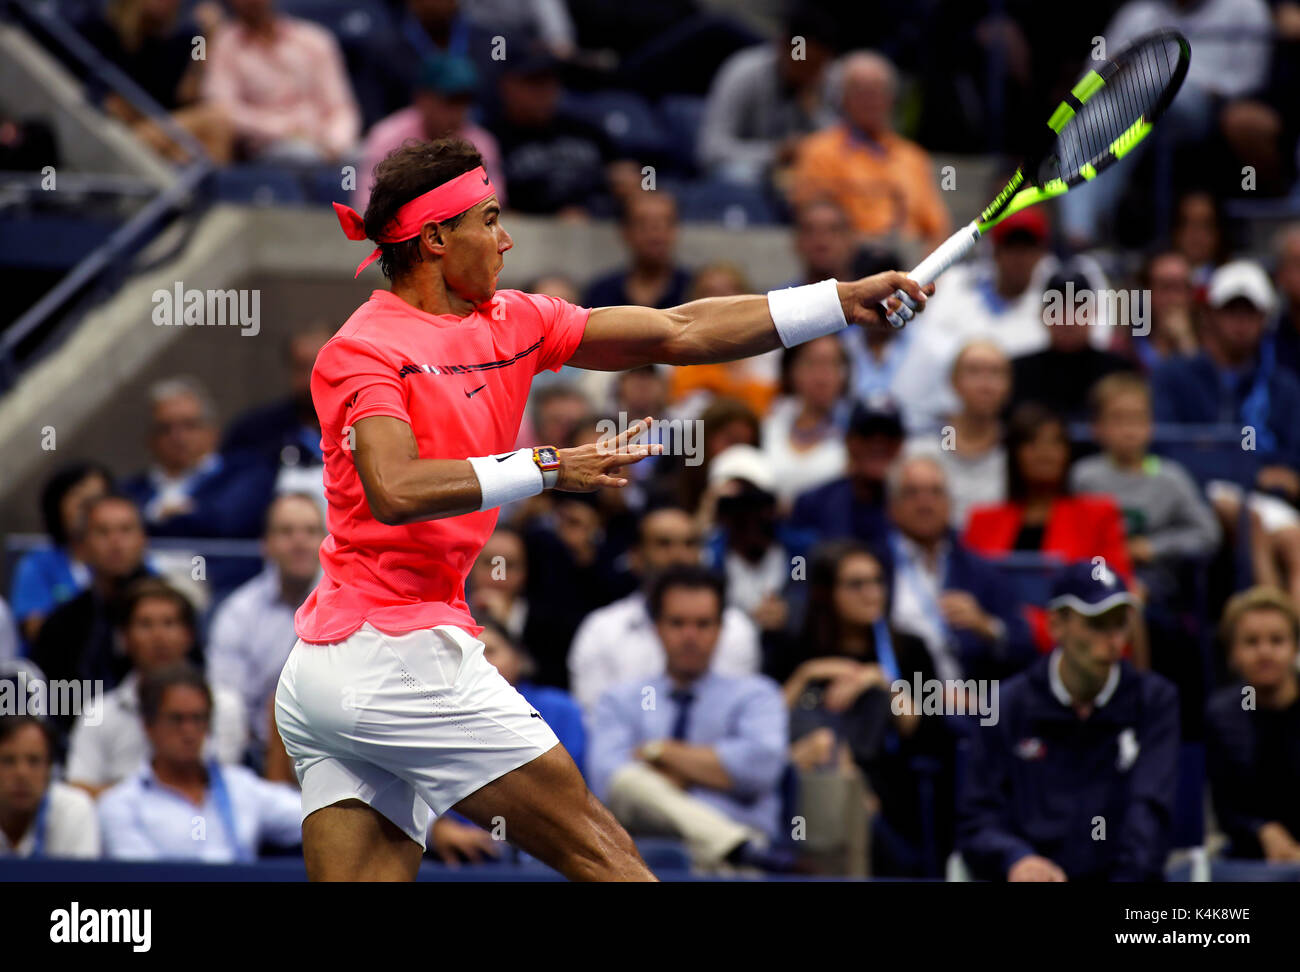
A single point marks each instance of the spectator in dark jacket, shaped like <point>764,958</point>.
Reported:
<point>1062,374</point>
<point>192,490</point>
<point>853,506</point>
<point>1235,377</point>
<point>1253,746</point>
<point>959,604</point>
<point>76,641</point>
<point>1085,748</point>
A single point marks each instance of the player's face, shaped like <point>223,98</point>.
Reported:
<point>475,253</point>
<point>177,734</point>
<point>156,634</point>
<point>689,624</point>
<point>293,538</point>
<point>24,770</point>
<point>1264,649</point>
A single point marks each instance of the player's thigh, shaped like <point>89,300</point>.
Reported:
<point>543,806</point>
<point>350,841</point>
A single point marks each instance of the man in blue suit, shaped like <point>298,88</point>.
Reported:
<point>853,506</point>
<point>192,490</point>
<point>959,604</point>
<point>1076,779</point>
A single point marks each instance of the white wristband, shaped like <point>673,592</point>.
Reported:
<point>804,313</point>
<point>507,477</point>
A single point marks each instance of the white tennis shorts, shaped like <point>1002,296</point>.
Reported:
<point>405,723</point>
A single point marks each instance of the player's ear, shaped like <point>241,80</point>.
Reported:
<point>434,238</point>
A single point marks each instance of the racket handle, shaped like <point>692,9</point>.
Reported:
<point>928,270</point>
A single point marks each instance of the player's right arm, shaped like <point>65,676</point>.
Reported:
<point>402,488</point>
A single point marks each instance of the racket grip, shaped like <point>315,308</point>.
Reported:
<point>928,270</point>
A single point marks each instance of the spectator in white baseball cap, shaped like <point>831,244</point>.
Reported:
<point>1235,379</point>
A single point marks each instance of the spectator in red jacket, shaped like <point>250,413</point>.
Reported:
<point>1040,515</point>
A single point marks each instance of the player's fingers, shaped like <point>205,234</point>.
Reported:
<point>630,455</point>
<point>913,289</point>
<point>632,431</point>
<point>603,480</point>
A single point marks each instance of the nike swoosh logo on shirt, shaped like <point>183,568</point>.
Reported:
<point>471,394</point>
<point>485,180</point>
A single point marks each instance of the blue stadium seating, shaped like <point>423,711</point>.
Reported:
<point>681,115</point>
<point>257,184</point>
<point>714,201</point>
<point>625,117</point>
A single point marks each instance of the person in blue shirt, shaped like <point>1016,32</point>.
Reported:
<point>1076,779</point>
<point>179,806</point>
<point>46,577</point>
<point>690,753</point>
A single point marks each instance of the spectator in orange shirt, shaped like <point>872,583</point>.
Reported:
<point>280,81</point>
<point>883,181</point>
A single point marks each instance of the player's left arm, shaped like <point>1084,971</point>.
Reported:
<point>718,328</point>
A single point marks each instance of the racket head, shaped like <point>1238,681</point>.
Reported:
<point>1108,112</point>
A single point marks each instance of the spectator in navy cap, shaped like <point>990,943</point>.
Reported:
<point>1075,781</point>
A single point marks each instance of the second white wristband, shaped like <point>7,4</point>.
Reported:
<point>803,313</point>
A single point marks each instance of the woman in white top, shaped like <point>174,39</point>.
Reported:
<point>803,435</point>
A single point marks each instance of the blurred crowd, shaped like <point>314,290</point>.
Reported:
<point>1088,510</point>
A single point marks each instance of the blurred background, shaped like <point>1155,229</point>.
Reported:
<point>877,504</point>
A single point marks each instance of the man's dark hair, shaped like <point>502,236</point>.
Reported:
<point>154,589</point>
<point>408,172</point>
<point>57,487</point>
<point>153,687</point>
<point>686,577</point>
<point>10,724</point>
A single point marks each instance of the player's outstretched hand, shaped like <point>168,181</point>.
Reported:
<point>861,298</point>
<point>588,467</point>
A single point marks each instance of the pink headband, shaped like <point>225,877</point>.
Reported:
<point>443,202</point>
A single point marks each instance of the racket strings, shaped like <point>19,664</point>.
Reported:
<point>1128,95</point>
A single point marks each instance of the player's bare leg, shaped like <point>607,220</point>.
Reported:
<point>349,841</point>
<point>550,814</point>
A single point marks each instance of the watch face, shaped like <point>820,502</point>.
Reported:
<point>548,456</point>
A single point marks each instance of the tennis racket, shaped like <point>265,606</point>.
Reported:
<point>1105,116</point>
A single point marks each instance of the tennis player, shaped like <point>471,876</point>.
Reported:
<point>387,705</point>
